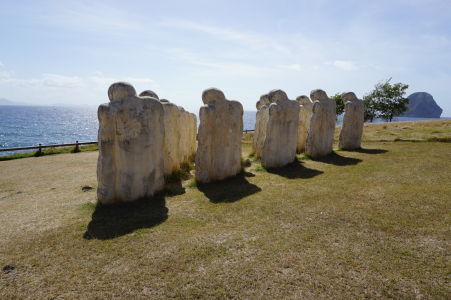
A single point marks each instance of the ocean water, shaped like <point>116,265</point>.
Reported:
<point>22,126</point>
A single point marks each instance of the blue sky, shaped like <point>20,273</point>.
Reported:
<point>69,52</point>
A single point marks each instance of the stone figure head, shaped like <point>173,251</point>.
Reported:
<point>277,95</point>
<point>318,95</point>
<point>264,100</point>
<point>149,93</point>
<point>121,90</point>
<point>212,95</point>
<point>349,97</point>
<point>303,100</point>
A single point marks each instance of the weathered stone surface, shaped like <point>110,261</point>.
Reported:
<point>121,90</point>
<point>180,134</point>
<point>276,129</point>
<point>131,134</point>
<point>261,122</point>
<point>218,153</point>
<point>320,136</point>
<point>305,115</point>
<point>149,93</point>
<point>352,128</point>
<point>173,151</point>
<point>264,100</point>
<point>189,132</point>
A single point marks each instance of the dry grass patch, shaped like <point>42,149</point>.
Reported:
<point>370,223</point>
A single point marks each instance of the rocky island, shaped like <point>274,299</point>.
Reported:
<point>422,105</point>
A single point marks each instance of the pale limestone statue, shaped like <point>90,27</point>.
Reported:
<point>276,129</point>
<point>180,134</point>
<point>173,151</point>
<point>218,153</point>
<point>352,128</point>
<point>131,134</point>
<point>305,115</point>
<point>261,122</point>
<point>322,125</point>
<point>149,93</point>
<point>188,140</point>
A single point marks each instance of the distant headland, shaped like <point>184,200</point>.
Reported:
<point>422,105</point>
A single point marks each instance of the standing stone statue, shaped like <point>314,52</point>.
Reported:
<point>352,129</point>
<point>261,122</point>
<point>173,151</point>
<point>320,137</point>
<point>219,137</point>
<point>276,129</point>
<point>149,93</point>
<point>305,115</point>
<point>188,139</point>
<point>180,134</point>
<point>131,134</point>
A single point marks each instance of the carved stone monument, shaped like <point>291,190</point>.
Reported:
<point>276,129</point>
<point>352,128</point>
<point>180,134</point>
<point>188,138</point>
<point>173,135</point>
<point>131,134</point>
<point>322,125</point>
<point>218,153</point>
<point>305,115</point>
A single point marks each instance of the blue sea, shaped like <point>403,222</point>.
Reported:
<point>22,126</point>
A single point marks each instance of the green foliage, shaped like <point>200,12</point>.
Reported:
<point>181,174</point>
<point>370,109</point>
<point>245,163</point>
<point>339,102</point>
<point>387,100</point>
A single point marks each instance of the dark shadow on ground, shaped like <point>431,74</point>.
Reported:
<point>295,170</point>
<point>111,221</point>
<point>338,160</point>
<point>369,151</point>
<point>174,188</point>
<point>229,190</point>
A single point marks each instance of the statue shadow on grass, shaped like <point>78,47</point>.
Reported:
<point>336,159</point>
<point>174,188</point>
<point>295,170</point>
<point>369,151</point>
<point>111,221</point>
<point>229,190</point>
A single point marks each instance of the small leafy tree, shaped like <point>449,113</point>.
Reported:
<point>370,109</point>
<point>339,102</point>
<point>388,99</point>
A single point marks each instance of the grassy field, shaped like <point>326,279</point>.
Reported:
<point>49,151</point>
<point>371,223</point>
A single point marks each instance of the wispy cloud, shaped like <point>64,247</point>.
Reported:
<point>92,17</point>
<point>295,67</point>
<point>345,65</point>
<point>250,39</point>
<point>64,82</point>
<point>4,74</point>
<point>220,66</point>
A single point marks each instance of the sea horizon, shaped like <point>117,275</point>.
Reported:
<point>30,125</point>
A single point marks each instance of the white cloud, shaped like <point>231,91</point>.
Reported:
<point>48,80</point>
<point>92,17</point>
<point>345,65</point>
<point>250,39</point>
<point>295,67</point>
<point>220,67</point>
<point>58,81</point>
